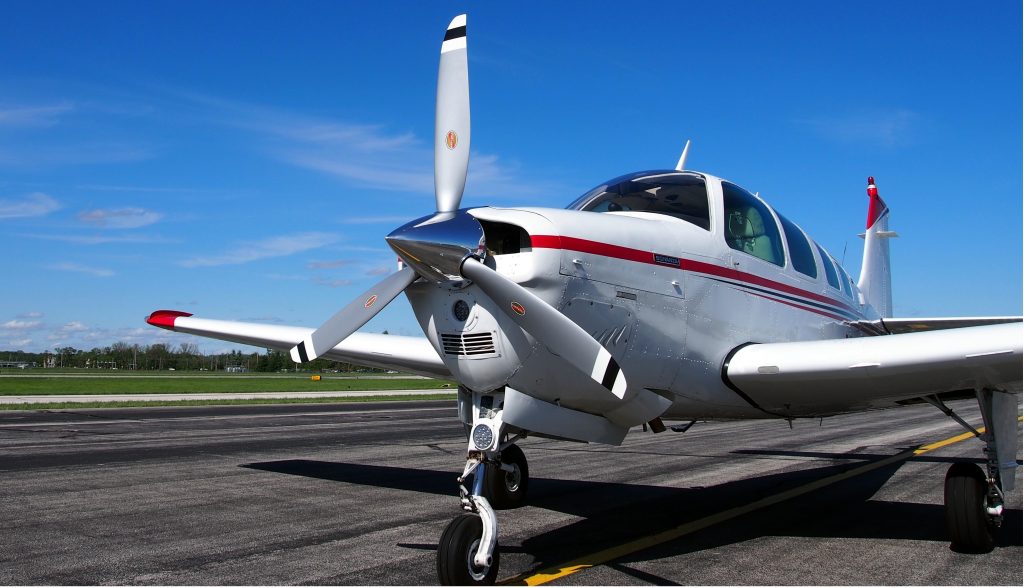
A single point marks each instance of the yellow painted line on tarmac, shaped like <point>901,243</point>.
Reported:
<point>543,576</point>
<point>951,440</point>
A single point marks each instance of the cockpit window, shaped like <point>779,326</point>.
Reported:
<point>749,225</point>
<point>682,195</point>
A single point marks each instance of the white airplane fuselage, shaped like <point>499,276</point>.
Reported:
<point>668,299</point>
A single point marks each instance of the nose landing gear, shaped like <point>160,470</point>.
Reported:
<point>468,552</point>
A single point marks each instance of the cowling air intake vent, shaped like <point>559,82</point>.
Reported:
<point>468,344</point>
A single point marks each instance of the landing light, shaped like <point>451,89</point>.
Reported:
<point>483,437</point>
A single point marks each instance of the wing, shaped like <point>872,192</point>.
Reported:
<point>409,354</point>
<point>894,326</point>
<point>840,375</point>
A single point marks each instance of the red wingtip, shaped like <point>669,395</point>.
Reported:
<point>165,318</point>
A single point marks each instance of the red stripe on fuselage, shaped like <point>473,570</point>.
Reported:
<point>637,255</point>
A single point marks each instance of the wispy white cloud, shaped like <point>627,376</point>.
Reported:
<point>370,156</point>
<point>34,116</point>
<point>100,239</point>
<point>889,128</point>
<point>156,189</point>
<point>35,204</point>
<point>119,218</point>
<point>82,269</point>
<point>268,248</point>
<point>334,263</point>
<point>335,283</point>
<point>87,153</point>
<point>286,277</point>
<point>19,325</point>
<point>379,271</point>
<point>374,220</point>
<point>386,175</point>
<point>31,315</point>
<point>19,343</point>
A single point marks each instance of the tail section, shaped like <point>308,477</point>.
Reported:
<point>875,274</point>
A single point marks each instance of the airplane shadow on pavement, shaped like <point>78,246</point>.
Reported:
<point>614,513</point>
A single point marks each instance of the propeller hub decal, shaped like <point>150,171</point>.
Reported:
<point>451,140</point>
<point>518,308</point>
<point>370,301</point>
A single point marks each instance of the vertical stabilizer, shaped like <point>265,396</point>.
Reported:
<point>875,274</point>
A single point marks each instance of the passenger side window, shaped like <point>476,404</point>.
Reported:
<point>799,249</point>
<point>749,226</point>
<point>830,270</point>
<point>845,279</point>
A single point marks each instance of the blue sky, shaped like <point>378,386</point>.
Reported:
<point>244,160</point>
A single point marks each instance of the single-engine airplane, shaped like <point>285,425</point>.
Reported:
<point>664,294</point>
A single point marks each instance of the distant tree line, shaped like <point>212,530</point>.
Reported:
<point>186,357</point>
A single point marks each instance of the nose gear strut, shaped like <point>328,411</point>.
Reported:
<point>468,551</point>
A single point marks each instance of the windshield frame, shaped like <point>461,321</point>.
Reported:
<point>594,196</point>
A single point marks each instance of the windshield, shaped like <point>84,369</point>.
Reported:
<point>682,195</point>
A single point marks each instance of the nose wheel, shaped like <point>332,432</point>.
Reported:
<point>457,550</point>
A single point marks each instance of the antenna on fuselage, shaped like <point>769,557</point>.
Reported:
<point>682,158</point>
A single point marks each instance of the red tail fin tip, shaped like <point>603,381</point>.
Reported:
<point>876,207</point>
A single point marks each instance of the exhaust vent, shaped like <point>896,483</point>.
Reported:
<point>468,344</point>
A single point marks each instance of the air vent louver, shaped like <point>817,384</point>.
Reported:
<point>468,344</point>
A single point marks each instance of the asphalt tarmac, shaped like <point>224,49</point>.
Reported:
<point>359,494</point>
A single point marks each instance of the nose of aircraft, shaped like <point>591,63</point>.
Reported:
<point>435,246</point>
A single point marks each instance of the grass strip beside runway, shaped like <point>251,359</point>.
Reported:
<point>37,386</point>
<point>223,402</point>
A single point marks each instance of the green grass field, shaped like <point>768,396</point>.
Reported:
<point>450,396</point>
<point>42,385</point>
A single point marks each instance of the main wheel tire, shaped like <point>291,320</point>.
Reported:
<point>969,526</point>
<point>455,552</point>
<point>506,490</point>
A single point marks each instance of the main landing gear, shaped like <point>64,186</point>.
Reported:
<point>468,553</point>
<point>974,497</point>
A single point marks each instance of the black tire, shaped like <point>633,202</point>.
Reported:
<point>969,526</point>
<point>506,490</point>
<point>455,552</point>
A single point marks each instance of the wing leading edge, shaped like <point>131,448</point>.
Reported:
<point>409,354</point>
<point>896,326</point>
<point>840,375</point>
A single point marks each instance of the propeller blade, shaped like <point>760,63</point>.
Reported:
<point>552,328</point>
<point>451,119</point>
<point>356,314</point>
